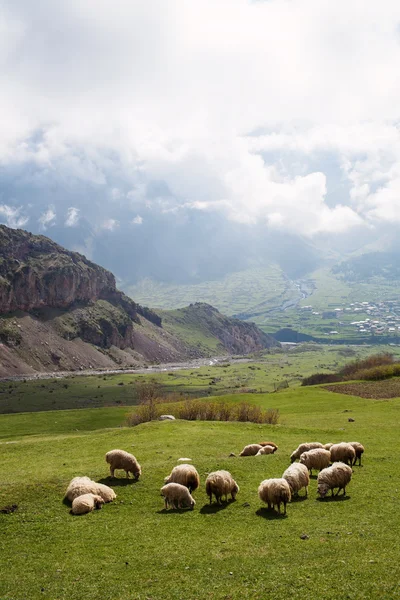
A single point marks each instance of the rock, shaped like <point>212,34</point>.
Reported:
<point>350,420</point>
<point>184,460</point>
<point>304,536</point>
<point>232,454</point>
<point>166,418</point>
<point>246,505</point>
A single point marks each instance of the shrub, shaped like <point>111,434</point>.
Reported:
<point>318,378</point>
<point>376,360</point>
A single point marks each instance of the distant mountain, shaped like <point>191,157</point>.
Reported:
<point>363,268</point>
<point>61,311</point>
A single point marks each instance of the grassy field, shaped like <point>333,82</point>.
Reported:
<point>134,549</point>
<point>266,374</point>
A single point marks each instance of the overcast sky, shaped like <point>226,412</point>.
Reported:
<point>281,114</point>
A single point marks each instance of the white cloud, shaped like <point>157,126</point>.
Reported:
<point>11,216</point>
<point>138,220</point>
<point>156,91</point>
<point>47,219</point>
<point>72,217</point>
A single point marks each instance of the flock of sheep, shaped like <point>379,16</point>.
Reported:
<point>87,495</point>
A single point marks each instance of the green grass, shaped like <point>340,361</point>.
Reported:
<point>133,549</point>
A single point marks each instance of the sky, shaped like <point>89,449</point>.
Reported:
<point>141,130</point>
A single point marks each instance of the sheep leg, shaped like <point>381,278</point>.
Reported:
<point>112,472</point>
<point>127,474</point>
<point>279,507</point>
<point>307,491</point>
<point>284,512</point>
<point>337,493</point>
<point>210,498</point>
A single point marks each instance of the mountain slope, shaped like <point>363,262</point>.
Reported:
<point>63,312</point>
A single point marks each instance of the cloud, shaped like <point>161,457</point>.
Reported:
<point>12,216</point>
<point>72,217</point>
<point>138,220</point>
<point>110,224</point>
<point>47,219</point>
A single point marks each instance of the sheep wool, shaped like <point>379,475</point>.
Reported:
<point>297,477</point>
<point>221,483</point>
<point>359,450</point>
<point>119,459</point>
<point>250,450</point>
<point>177,496</point>
<point>269,444</point>
<point>343,452</point>
<point>86,503</point>
<point>336,476</point>
<point>84,485</point>
<point>304,448</point>
<point>266,450</point>
<point>316,459</point>
<point>274,492</point>
<point>186,475</point>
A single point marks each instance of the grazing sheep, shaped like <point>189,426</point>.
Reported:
<point>185,475</point>
<point>336,476</point>
<point>269,444</point>
<point>250,450</point>
<point>343,452</point>
<point>177,496</point>
<point>328,446</point>
<point>297,477</point>
<point>316,459</point>
<point>266,450</point>
<point>84,485</point>
<point>221,483</point>
<point>304,448</point>
<point>119,459</point>
<point>359,449</point>
<point>274,492</point>
<point>86,503</point>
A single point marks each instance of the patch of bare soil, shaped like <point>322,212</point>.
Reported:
<point>388,388</point>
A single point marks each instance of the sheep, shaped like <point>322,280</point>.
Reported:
<point>359,449</point>
<point>185,475</point>
<point>84,485</point>
<point>336,476</point>
<point>273,492</point>
<point>221,483</point>
<point>328,446</point>
<point>86,503</point>
<point>343,452</point>
<point>250,450</point>
<point>316,459</point>
<point>119,459</point>
<point>304,448</point>
<point>297,477</point>
<point>177,496</point>
<point>266,450</point>
<point>269,444</point>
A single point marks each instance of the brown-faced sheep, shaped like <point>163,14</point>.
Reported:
<point>266,450</point>
<point>177,496</point>
<point>185,475</point>
<point>84,485</point>
<point>297,477</point>
<point>221,483</point>
<point>336,476</point>
<point>269,444</point>
<point>359,450</point>
<point>274,492</point>
<point>316,459</point>
<point>304,448</point>
<point>119,459</point>
<point>250,450</point>
<point>86,503</point>
<point>343,452</point>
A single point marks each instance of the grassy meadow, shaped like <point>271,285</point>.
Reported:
<point>134,549</point>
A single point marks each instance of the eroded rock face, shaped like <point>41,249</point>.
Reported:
<point>36,272</point>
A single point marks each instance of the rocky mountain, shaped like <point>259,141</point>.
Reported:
<point>60,311</point>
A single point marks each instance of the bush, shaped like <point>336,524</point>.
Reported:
<point>376,360</point>
<point>318,378</point>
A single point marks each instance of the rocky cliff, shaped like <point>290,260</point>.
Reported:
<point>59,311</point>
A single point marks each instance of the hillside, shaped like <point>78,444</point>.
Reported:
<point>59,311</point>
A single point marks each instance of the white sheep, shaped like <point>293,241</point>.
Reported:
<point>359,450</point>
<point>177,496</point>
<point>297,477</point>
<point>221,483</point>
<point>265,450</point>
<point>304,448</point>
<point>328,446</point>
<point>250,450</point>
<point>84,485</point>
<point>269,444</point>
<point>316,459</point>
<point>186,475</point>
<point>274,492</point>
<point>119,459</point>
<point>86,503</point>
<point>336,476</point>
<point>343,452</point>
